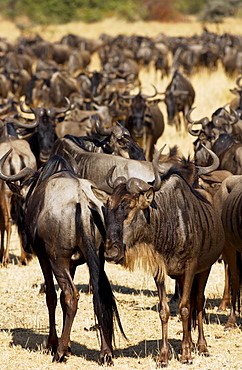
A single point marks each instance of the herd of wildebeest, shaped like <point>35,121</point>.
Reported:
<point>83,180</point>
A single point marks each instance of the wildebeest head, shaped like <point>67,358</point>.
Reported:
<point>179,96</point>
<point>138,120</point>
<point>120,142</point>
<point>221,122</point>
<point>213,134</point>
<point>127,198</point>
<point>45,135</point>
<point>124,206</point>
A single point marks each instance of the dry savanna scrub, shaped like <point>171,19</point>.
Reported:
<point>23,311</point>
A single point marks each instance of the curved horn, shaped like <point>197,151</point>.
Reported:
<point>25,110</point>
<point>25,125</point>
<point>125,97</point>
<point>135,186</point>
<point>202,121</point>
<point>112,184</point>
<point>214,165</point>
<point>238,82</point>
<point>193,132</point>
<point>101,130</point>
<point>27,171</point>
<point>150,96</point>
<point>17,123</point>
<point>54,110</point>
<point>236,116</point>
<point>155,165</point>
<point>125,131</point>
<point>63,110</point>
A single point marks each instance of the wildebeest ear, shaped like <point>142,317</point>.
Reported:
<point>16,189</point>
<point>100,194</point>
<point>146,198</point>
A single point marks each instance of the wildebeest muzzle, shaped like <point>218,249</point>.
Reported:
<point>114,252</point>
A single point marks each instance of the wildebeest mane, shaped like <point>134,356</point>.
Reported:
<point>181,171</point>
<point>82,141</point>
<point>56,163</point>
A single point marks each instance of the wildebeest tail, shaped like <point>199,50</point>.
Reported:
<point>105,307</point>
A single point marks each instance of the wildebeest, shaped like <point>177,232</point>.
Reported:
<point>94,166</point>
<point>179,98</point>
<point>228,201</point>
<point>114,140</point>
<point>221,122</point>
<point>167,228</point>
<point>21,156</point>
<point>223,144</point>
<point>50,89</point>
<point>145,121</point>
<point>44,123</point>
<point>78,122</point>
<point>63,223</point>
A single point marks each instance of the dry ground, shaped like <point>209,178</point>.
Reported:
<point>23,313</point>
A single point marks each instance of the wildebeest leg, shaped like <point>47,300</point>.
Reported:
<point>200,281</point>
<point>230,255</point>
<point>185,312</point>
<point>63,305</point>
<point>177,294</point>
<point>226,294</point>
<point>8,227</point>
<point>61,269</point>
<point>185,122</point>
<point>23,258</point>
<point>178,122</point>
<point>2,245</point>
<point>149,147</point>
<point>51,301</point>
<point>164,316</point>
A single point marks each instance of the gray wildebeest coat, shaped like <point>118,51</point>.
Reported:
<point>228,202</point>
<point>63,224</point>
<point>167,228</point>
<point>179,98</point>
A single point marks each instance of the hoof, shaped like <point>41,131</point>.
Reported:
<point>229,327</point>
<point>106,360</point>
<point>203,351</point>
<point>186,362</point>
<point>59,357</point>
<point>161,365</point>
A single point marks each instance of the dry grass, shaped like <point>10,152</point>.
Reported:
<point>23,313</point>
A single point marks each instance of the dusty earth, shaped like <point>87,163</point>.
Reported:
<point>23,312</point>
